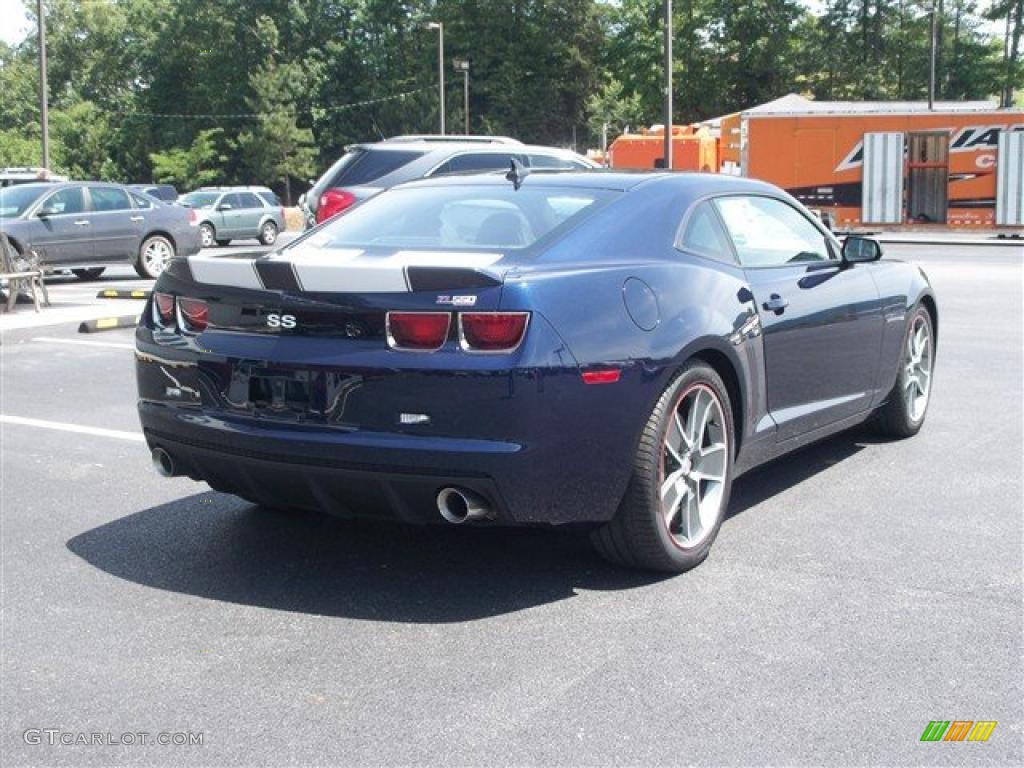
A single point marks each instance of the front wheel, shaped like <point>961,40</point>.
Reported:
<point>682,475</point>
<point>154,255</point>
<point>268,233</point>
<point>905,408</point>
<point>207,236</point>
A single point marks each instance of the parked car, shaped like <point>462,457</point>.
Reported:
<point>595,348</point>
<point>26,175</point>
<point>230,213</point>
<point>366,169</point>
<point>86,226</point>
<point>163,192</point>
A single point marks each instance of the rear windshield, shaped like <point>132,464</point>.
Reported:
<point>199,199</point>
<point>463,217</point>
<point>16,199</point>
<point>363,166</point>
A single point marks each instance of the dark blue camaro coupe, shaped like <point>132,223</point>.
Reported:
<point>599,348</point>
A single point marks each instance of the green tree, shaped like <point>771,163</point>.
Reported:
<point>195,166</point>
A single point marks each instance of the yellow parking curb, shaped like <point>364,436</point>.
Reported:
<point>112,293</point>
<point>108,323</point>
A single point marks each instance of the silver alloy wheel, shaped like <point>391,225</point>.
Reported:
<point>206,236</point>
<point>156,255</point>
<point>693,466</point>
<point>917,363</point>
<point>269,233</point>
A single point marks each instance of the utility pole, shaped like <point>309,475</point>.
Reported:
<point>668,85</point>
<point>439,26</point>
<point>931,62</point>
<point>44,113</point>
<point>462,65</point>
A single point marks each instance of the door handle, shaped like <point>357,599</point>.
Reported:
<point>776,304</point>
<point>138,218</point>
<point>82,223</point>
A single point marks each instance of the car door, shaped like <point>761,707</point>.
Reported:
<point>62,227</point>
<point>114,223</point>
<point>250,214</point>
<point>231,215</point>
<point>821,319</point>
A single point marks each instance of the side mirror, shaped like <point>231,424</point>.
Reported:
<point>46,211</point>
<point>857,250</point>
<point>224,207</point>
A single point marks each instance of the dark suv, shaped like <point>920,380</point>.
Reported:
<point>366,169</point>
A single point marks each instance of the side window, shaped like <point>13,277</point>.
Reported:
<point>140,201</point>
<point>231,200</point>
<point>551,161</point>
<point>475,162</point>
<point>704,235</point>
<point>109,199</point>
<point>249,200</point>
<point>67,200</point>
<point>769,233</point>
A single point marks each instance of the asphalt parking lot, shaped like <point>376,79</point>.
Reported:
<point>859,589</point>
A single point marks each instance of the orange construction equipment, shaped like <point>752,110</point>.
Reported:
<point>693,149</point>
<point>886,163</point>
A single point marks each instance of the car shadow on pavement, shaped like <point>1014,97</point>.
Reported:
<point>783,473</point>
<point>216,546</point>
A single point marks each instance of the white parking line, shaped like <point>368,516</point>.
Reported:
<point>61,426</point>
<point>84,342</point>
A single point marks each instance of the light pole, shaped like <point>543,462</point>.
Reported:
<point>931,59</point>
<point>462,65</point>
<point>668,85</point>
<point>439,26</point>
<point>44,114</point>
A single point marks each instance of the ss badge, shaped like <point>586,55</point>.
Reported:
<point>280,321</point>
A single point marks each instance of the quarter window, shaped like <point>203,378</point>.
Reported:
<point>704,236</point>
<point>769,233</point>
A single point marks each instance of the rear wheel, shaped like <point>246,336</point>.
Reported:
<point>905,409</point>
<point>268,233</point>
<point>88,274</point>
<point>155,253</point>
<point>682,474</point>
<point>207,236</point>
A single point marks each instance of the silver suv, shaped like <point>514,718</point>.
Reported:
<point>366,169</point>
<point>232,213</point>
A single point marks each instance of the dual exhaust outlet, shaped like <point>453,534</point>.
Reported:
<point>456,505</point>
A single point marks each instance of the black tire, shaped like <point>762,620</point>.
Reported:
<point>88,274</point>
<point>207,235</point>
<point>151,268</point>
<point>223,242</point>
<point>894,418</point>
<point>638,536</point>
<point>268,233</point>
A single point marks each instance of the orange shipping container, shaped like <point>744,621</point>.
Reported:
<point>692,150</point>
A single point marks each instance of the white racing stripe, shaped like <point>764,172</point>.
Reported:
<point>223,270</point>
<point>84,342</point>
<point>61,426</point>
<point>337,270</point>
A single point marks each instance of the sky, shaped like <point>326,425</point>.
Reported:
<point>14,25</point>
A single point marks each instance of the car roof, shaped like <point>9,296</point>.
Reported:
<point>622,181</point>
<point>454,146</point>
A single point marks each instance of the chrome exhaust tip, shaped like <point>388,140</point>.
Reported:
<point>457,505</point>
<point>163,463</point>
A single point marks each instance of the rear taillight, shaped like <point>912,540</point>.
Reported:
<point>193,218</point>
<point>333,201</point>
<point>163,309</point>
<point>424,331</point>
<point>492,331</point>
<point>194,315</point>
